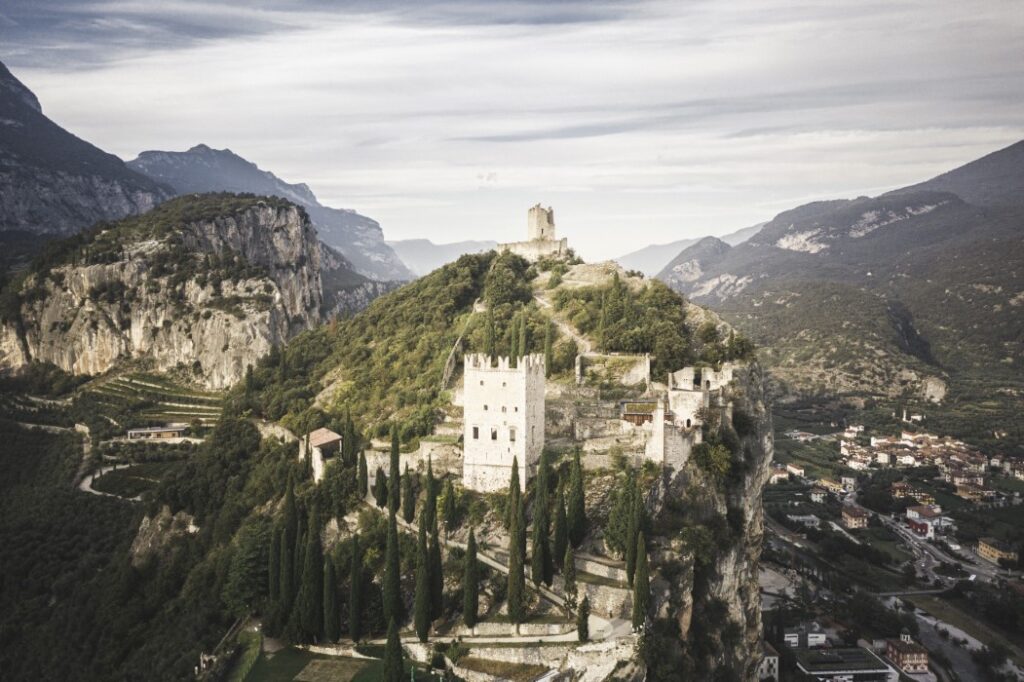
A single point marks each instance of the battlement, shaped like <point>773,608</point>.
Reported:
<point>527,364</point>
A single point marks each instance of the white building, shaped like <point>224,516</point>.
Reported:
<point>503,420</point>
<point>322,446</point>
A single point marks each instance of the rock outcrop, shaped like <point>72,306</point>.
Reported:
<point>55,183</point>
<point>210,294</point>
<point>706,548</point>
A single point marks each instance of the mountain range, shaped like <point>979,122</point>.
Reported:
<point>53,183</point>
<point>909,293</point>
<point>203,169</point>
<point>651,259</point>
<point>423,256</point>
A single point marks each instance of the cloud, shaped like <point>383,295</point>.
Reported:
<point>647,121</point>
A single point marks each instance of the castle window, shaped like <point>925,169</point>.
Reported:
<point>511,435</point>
<point>476,433</point>
<point>687,423</point>
<point>504,409</point>
<point>494,434</point>
<point>481,382</point>
<point>503,384</point>
<point>517,408</point>
<point>485,408</point>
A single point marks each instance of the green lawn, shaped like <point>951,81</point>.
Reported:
<point>943,610</point>
<point>883,539</point>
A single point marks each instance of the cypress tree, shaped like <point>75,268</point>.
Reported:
<point>514,342</point>
<point>516,577</point>
<point>408,497</point>
<point>641,585</point>
<point>422,603</point>
<point>394,489</point>
<point>311,592</point>
<point>380,488</point>
<point>541,565</point>
<point>431,502</point>
<point>569,576</point>
<point>364,476</point>
<point>393,655</point>
<point>289,527</point>
<point>633,527</point>
<point>561,534</point>
<point>392,579</point>
<point>524,347</point>
<point>549,355</point>
<point>470,583</point>
<point>332,628</point>
<point>274,567</point>
<point>448,507</point>
<point>351,442</point>
<point>489,349</point>
<point>436,574</point>
<point>514,493</point>
<point>355,591</point>
<point>583,620</point>
<point>576,512</point>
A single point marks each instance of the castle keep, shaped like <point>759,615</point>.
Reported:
<point>542,242</point>
<point>503,419</point>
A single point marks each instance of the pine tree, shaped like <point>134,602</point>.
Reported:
<point>274,568</point>
<point>516,577</point>
<point>393,655</point>
<point>470,583</point>
<point>576,511</point>
<point>355,591</point>
<point>380,488</point>
<point>364,476</point>
<point>560,538</point>
<point>514,493</point>
<point>422,607</point>
<point>311,591</point>
<point>394,489</point>
<point>392,579</point>
<point>408,497</point>
<point>332,628</point>
<point>583,620</point>
<point>436,574</point>
<point>569,577</point>
<point>549,356</point>
<point>641,585</point>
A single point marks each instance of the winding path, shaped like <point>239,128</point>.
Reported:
<point>582,343</point>
<point>86,484</point>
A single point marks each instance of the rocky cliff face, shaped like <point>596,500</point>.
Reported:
<point>53,182</point>
<point>707,540</point>
<point>211,294</point>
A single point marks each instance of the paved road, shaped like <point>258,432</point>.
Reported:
<point>86,485</point>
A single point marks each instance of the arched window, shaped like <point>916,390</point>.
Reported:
<point>687,423</point>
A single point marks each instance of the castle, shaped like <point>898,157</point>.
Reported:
<point>503,419</point>
<point>542,242</point>
<point>676,427</point>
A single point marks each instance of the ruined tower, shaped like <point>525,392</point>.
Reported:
<point>541,222</point>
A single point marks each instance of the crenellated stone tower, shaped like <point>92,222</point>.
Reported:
<point>503,419</point>
<point>540,231</point>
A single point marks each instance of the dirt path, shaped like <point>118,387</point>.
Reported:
<point>582,343</point>
<point>86,485</point>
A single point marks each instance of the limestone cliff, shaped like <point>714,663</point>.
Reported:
<point>207,283</point>
<point>707,548</point>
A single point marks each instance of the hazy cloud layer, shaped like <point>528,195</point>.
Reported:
<point>639,122</point>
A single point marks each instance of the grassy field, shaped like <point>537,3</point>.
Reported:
<point>882,538</point>
<point>517,672</point>
<point>296,665</point>
<point>820,459</point>
<point>134,480</point>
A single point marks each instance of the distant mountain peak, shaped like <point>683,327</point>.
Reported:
<point>996,179</point>
<point>16,88</point>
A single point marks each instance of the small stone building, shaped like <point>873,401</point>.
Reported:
<point>322,446</point>
<point>503,420</point>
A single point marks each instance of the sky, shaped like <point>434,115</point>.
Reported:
<point>639,122</point>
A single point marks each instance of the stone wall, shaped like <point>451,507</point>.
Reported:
<point>536,249</point>
<point>626,369</point>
